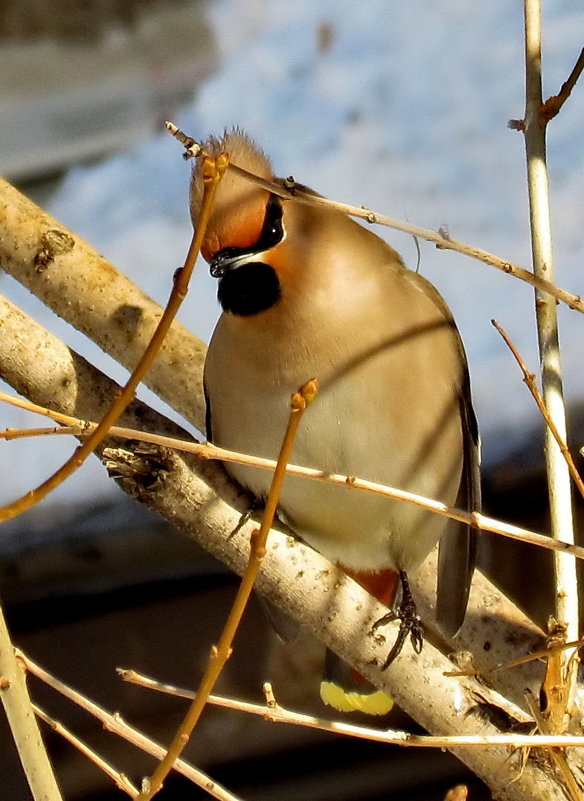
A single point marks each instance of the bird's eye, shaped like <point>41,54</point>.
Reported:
<point>272,231</point>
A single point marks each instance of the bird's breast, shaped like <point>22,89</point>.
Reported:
<point>380,414</point>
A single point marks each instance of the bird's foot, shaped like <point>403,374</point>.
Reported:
<point>246,516</point>
<point>410,622</point>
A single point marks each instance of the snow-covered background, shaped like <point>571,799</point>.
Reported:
<point>400,106</point>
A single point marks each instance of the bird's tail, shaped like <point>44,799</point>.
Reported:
<point>343,687</point>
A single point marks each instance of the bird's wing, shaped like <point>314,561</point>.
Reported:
<point>458,546</point>
<point>208,426</point>
<point>285,627</point>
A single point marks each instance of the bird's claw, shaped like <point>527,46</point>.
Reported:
<point>246,516</point>
<point>410,623</point>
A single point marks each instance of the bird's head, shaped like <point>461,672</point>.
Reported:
<point>245,225</point>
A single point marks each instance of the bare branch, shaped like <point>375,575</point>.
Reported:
<point>273,711</point>
<point>289,190</point>
<point>529,380</point>
<point>553,105</point>
<point>120,780</point>
<point>310,589</point>
<point>114,723</point>
<point>87,291</point>
<point>22,722</point>
<point>220,653</point>
<point>206,450</point>
<point>558,476</point>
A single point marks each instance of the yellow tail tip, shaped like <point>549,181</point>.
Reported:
<point>376,703</point>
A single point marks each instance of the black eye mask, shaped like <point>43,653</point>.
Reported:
<point>272,233</point>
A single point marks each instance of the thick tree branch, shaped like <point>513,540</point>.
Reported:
<point>83,288</point>
<point>341,614</point>
<point>90,293</point>
<point>43,369</point>
<point>303,583</point>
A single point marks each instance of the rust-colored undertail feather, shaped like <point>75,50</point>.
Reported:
<point>343,687</point>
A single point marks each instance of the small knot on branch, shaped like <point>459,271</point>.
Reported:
<point>516,125</point>
<point>192,148</point>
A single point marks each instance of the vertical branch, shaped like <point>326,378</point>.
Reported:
<point>213,170</point>
<point>22,722</point>
<point>566,606</point>
<point>221,652</point>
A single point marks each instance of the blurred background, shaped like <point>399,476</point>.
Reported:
<point>402,107</point>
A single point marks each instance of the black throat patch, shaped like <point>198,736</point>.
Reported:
<point>248,287</point>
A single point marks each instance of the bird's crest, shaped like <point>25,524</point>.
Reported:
<point>239,206</point>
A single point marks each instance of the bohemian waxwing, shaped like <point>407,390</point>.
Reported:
<point>307,293</point>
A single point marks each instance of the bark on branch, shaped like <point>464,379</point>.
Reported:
<point>300,581</point>
<point>87,291</point>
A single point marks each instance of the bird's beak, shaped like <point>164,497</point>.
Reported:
<point>227,259</point>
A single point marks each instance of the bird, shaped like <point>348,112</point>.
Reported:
<point>308,292</point>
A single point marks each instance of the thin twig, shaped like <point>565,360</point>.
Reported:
<point>221,652</point>
<point>529,380</point>
<point>10,434</point>
<point>115,724</point>
<point>553,104</point>
<point>292,191</point>
<point>559,485</point>
<point>120,779</point>
<point>213,170</point>
<point>276,713</point>
<point>557,756</point>
<point>29,406</point>
<point>542,653</point>
<point>206,450</point>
